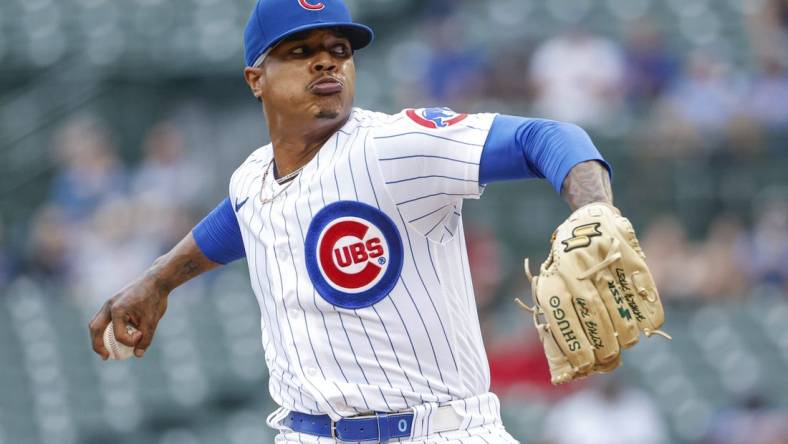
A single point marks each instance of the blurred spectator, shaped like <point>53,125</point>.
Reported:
<point>577,77</point>
<point>92,235</point>
<point>456,72</point>
<point>165,175</point>
<point>705,97</point>
<point>752,421</point>
<point>49,245</point>
<point>723,273</point>
<point>768,96</point>
<point>110,251</point>
<point>766,248</point>
<point>676,263</point>
<point>609,413</point>
<point>650,65</point>
<point>689,269</point>
<point>781,12</point>
<point>506,89</point>
<point>166,184</point>
<point>89,170</point>
<point>172,223</point>
<point>768,29</point>
<point>727,263</point>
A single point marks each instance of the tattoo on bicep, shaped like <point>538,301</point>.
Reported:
<point>587,182</point>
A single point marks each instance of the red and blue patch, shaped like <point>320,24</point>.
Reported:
<point>353,254</point>
<point>435,117</point>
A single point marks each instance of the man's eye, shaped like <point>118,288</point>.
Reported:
<point>298,51</point>
<point>340,49</point>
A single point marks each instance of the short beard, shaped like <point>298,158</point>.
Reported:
<point>325,114</point>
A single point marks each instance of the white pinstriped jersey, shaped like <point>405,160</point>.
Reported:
<point>360,268</point>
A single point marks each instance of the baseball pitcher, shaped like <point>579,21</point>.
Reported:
<point>350,222</point>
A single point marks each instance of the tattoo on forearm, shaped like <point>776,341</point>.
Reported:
<point>180,264</point>
<point>587,182</point>
<point>189,269</point>
<point>166,278</point>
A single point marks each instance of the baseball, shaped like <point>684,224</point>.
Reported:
<point>116,349</point>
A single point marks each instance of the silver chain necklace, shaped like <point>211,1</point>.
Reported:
<point>289,176</point>
<point>287,180</point>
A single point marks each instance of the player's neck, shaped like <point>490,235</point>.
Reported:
<point>290,156</point>
<point>295,145</point>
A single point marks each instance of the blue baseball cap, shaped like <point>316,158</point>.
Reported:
<point>273,20</point>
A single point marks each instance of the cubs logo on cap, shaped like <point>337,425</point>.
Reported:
<point>435,117</point>
<point>353,254</point>
<point>309,6</point>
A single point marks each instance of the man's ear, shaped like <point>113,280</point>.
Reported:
<point>254,78</point>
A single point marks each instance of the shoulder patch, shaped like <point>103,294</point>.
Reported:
<point>434,117</point>
<point>353,254</point>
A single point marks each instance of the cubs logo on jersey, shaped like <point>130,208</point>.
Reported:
<point>353,254</point>
<point>435,117</point>
<point>312,7</point>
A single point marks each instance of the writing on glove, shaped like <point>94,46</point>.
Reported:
<point>593,295</point>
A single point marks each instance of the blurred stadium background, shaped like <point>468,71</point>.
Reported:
<point>121,122</point>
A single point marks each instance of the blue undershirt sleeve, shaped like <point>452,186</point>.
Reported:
<point>520,148</point>
<point>219,236</point>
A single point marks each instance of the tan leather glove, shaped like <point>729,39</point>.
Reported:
<point>595,294</point>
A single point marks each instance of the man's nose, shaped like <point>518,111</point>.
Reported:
<point>325,63</point>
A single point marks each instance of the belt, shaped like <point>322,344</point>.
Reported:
<point>379,428</point>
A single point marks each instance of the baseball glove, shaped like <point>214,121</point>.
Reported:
<point>594,294</point>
